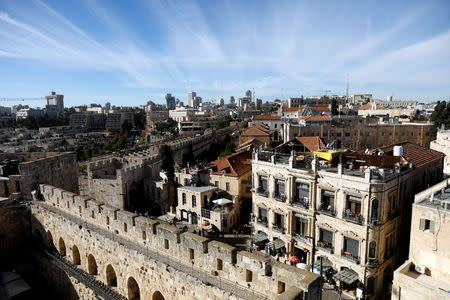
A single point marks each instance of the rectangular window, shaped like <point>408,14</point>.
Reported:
<point>353,207</point>
<point>92,214</point>
<point>248,189</point>
<point>278,220</point>
<point>301,226</point>
<point>351,247</point>
<point>347,134</point>
<point>125,227</point>
<point>279,188</point>
<point>144,235</point>
<point>326,238</point>
<point>263,183</point>
<point>194,201</point>
<point>227,186</point>
<point>184,198</point>
<point>426,224</point>
<point>262,212</point>
<point>219,264</point>
<point>327,200</point>
<point>301,192</point>
<point>216,183</point>
<point>107,220</point>
<point>166,244</point>
<point>248,276</point>
<point>79,209</point>
<point>191,253</point>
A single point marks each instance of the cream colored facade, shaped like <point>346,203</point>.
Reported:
<point>426,274</point>
<point>442,144</point>
<point>367,242</point>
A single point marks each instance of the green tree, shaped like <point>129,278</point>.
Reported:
<point>439,117</point>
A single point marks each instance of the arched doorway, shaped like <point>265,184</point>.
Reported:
<point>92,265</point>
<point>76,256</point>
<point>133,289</point>
<point>49,240</point>
<point>111,279</point>
<point>158,296</point>
<point>62,247</point>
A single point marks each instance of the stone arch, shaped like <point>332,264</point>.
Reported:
<point>49,239</point>
<point>92,265</point>
<point>111,278</point>
<point>157,296</point>
<point>62,247</point>
<point>76,255</point>
<point>133,289</point>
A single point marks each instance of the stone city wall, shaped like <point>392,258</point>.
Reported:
<point>255,273</point>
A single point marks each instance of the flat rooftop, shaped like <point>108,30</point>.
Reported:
<point>198,189</point>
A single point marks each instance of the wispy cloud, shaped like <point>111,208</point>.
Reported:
<point>288,48</point>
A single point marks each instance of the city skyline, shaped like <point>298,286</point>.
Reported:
<point>93,51</point>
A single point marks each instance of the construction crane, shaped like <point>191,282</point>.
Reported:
<point>23,99</point>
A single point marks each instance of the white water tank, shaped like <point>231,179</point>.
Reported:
<point>398,150</point>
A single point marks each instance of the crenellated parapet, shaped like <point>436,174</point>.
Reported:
<point>253,270</point>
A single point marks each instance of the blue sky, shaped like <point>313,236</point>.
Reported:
<point>129,52</point>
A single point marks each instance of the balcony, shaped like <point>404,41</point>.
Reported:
<point>262,192</point>
<point>300,237</point>
<point>279,197</point>
<point>352,217</point>
<point>301,201</point>
<point>372,262</point>
<point>262,222</point>
<point>350,257</point>
<point>325,247</point>
<point>278,228</point>
<point>327,210</point>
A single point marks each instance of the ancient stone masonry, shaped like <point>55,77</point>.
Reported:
<point>57,169</point>
<point>143,259</point>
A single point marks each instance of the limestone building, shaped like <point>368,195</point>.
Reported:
<point>442,144</point>
<point>351,210</point>
<point>426,274</point>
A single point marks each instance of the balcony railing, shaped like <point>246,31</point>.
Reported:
<point>352,217</point>
<point>328,210</point>
<point>302,201</point>
<point>350,257</point>
<point>262,222</point>
<point>372,262</point>
<point>278,228</point>
<point>300,237</point>
<point>325,247</point>
<point>262,192</point>
<point>279,197</point>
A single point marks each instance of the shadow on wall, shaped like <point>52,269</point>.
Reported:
<point>47,280</point>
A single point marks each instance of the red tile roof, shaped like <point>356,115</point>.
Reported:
<point>256,131</point>
<point>320,108</point>
<point>313,143</point>
<point>266,117</point>
<point>325,118</point>
<point>419,155</point>
<point>235,164</point>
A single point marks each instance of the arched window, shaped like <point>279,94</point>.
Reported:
<point>374,209</point>
<point>133,289</point>
<point>194,201</point>
<point>62,247</point>
<point>76,255</point>
<point>158,296</point>
<point>372,249</point>
<point>111,278</point>
<point>92,265</point>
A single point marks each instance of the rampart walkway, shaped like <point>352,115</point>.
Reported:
<point>205,277</point>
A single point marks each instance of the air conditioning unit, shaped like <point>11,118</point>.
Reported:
<point>419,269</point>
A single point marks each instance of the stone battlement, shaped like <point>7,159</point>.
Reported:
<point>253,270</point>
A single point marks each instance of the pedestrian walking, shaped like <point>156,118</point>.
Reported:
<point>340,295</point>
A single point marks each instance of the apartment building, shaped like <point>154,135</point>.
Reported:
<point>351,210</point>
<point>426,274</point>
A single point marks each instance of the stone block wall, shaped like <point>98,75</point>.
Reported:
<point>188,249</point>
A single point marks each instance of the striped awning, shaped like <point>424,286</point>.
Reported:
<point>347,275</point>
